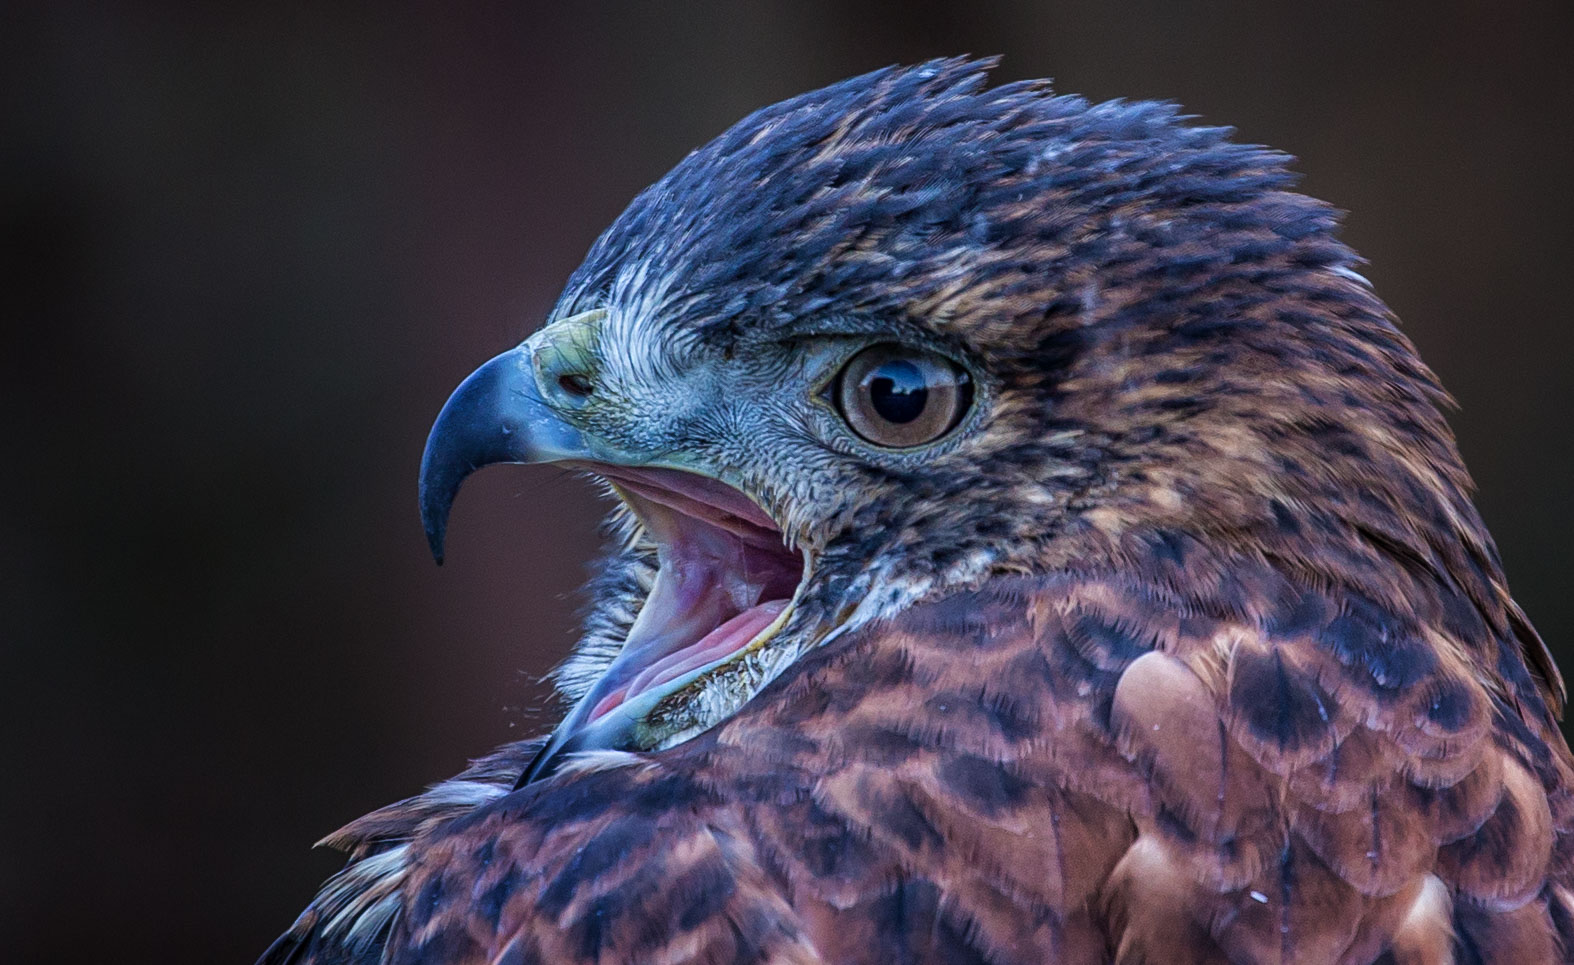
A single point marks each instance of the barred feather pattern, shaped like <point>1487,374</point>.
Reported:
<point>1197,651</point>
<point>1081,768</point>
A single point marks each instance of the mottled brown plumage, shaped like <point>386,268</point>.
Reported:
<point>1190,647</point>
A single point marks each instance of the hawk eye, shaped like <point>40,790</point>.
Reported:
<point>901,397</point>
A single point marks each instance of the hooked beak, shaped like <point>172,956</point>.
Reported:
<point>497,415</point>
<point>725,580</point>
<point>507,411</point>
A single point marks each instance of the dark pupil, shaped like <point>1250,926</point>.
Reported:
<point>897,391</point>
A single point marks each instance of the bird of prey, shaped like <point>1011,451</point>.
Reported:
<point>1034,543</point>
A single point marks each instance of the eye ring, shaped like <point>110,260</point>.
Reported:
<point>900,397</point>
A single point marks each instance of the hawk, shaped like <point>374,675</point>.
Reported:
<point>1034,542</point>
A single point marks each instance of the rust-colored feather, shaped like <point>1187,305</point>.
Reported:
<point>1189,648</point>
<point>977,840</point>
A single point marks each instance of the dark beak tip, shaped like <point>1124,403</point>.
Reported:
<point>437,496</point>
<point>496,415</point>
<point>473,430</point>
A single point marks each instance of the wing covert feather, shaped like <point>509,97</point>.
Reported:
<point>1073,770</point>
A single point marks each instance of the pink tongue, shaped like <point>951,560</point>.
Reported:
<point>725,639</point>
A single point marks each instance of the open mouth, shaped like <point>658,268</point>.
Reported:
<point>724,587</point>
<point>726,578</point>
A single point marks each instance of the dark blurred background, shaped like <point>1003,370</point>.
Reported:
<point>250,252</point>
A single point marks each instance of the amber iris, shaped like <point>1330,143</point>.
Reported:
<point>900,397</point>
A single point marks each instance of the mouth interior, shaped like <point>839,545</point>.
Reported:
<point>725,577</point>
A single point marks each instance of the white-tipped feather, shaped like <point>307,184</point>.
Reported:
<point>358,904</point>
<point>591,762</point>
<point>364,897</point>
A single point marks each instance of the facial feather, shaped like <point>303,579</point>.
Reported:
<point>1171,339</point>
<point>1191,635</point>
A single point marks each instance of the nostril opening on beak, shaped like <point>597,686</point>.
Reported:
<point>576,384</point>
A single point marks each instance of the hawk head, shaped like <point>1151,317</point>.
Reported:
<point>884,341</point>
